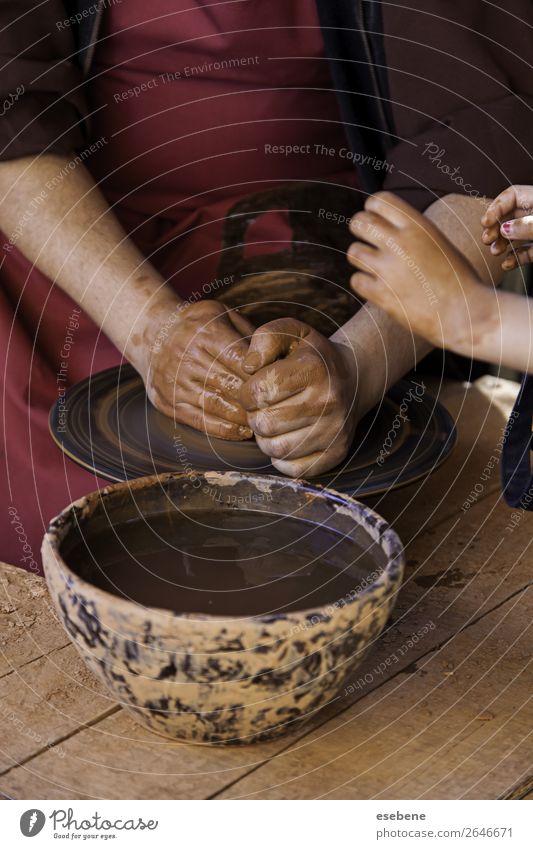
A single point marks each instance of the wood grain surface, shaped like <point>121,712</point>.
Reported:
<point>441,707</point>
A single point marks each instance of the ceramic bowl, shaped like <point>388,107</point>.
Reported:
<point>208,679</point>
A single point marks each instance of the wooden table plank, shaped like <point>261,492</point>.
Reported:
<point>45,700</point>
<point>523,789</point>
<point>29,627</point>
<point>115,758</point>
<point>118,759</point>
<point>476,584</point>
<point>481,412</point>
<point>456,574</point>
<point>428,734</point>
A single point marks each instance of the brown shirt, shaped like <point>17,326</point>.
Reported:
<point>460,87</point>
<point>42,106</point>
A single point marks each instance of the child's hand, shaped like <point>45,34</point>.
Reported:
<point>411,270</point>
<point>515,204</point>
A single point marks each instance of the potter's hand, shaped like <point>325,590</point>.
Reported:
<point>508,221</point>
<point>193,368</point>
<point>301,408</point>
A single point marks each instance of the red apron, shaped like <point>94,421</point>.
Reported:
<point>195,109</point>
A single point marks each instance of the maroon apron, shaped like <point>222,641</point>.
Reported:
<point>194,109</point>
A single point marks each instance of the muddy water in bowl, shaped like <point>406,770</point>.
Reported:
<point>212,622</point>
<point>227,563</point>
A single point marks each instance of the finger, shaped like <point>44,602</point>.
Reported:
<point>363,256</point>
<point>372,228</point>
<point>490,234</point>
<point>242,325</point>
<point>395,210</point>
<point>286,417</point>
<point>523,256</point>
<point>500,246</point>
<point>205,400</point>
<point>493,236</point>
<point>215,377</point>
<point>225,345</point>
<point>501,206</point>
<point>273,340</point>
<point>365,285</point>
<point>494,233</point>
<point>275,383</point>
<point>310,466</point>
<point>209,400</point>
<point>285,379</point>
<point>518,228</point>
<point>296,444</point>
<point>210,424</point>
<point>520,213</point>
<point>198,370</point>
<point>512,198</point>
<point>510,262</point>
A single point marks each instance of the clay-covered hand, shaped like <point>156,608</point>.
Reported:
<point>508,222</point>
<point>412,271</point>
<point>302,407</point>
<point>193,368</point>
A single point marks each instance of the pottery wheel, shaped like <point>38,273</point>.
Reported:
<point>111,428</point>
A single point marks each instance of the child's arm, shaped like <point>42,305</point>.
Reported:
<point>411,270</point>
<point>507,338</point>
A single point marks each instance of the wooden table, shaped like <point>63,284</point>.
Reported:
<point>445,714</point>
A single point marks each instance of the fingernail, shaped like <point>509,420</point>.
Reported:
<point>245,432</point>
<point>252,361</point>
<point>507,228</point>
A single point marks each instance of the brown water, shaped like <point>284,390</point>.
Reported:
<point>248,564</point>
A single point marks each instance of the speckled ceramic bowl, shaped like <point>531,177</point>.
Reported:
<point>208,679</point>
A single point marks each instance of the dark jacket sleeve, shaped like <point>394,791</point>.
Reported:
<point>41,102</point>
<point>461,91</point>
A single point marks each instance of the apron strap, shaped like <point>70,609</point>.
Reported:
<point>517,479</point>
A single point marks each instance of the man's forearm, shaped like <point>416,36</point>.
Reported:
<point>61,222</point>
<point>459,218</point>
<point>385,351</point>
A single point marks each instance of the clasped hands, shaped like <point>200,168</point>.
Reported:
<point>283,382</point>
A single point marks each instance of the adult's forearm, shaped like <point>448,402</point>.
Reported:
<point>459,218</point>
<point>56,215</point>
<point>383,352</point>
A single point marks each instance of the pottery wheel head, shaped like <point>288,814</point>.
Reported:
<point>113,430</point>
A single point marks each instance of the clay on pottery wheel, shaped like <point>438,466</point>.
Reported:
<point>221,679</point>
<point>310,280</point>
